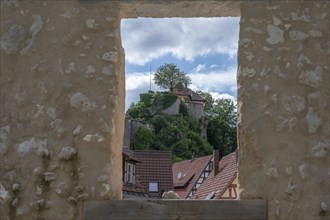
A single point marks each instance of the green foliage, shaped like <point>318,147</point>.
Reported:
<point>169,76</point>
<point>146,98</point>
<point>144,138</point>
<point>176,133</point>
<point>184,109</point>
<point>151,104</point>
<point>138,111</point>
<point>209,102</point>
<point>168,99</point>
<point>221,128</point>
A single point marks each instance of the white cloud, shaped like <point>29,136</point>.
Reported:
<point>215,80</point>
<point>137,83</point>
<point>199,68</point>
<point>145,39</point>
<point>137,80</point>
<point>216,95</point>
<point>214,66</point>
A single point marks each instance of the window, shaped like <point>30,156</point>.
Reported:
<point>153,187</point>
<point>129,173</point>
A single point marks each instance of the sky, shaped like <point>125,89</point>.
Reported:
<point>204,48</point>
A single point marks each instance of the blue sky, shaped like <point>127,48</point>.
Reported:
<point>204,48</point>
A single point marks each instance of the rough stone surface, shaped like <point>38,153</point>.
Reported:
<point>321,149</point>
<point>170,195</point>
<point>4,132</point>
<point>39,146</point>
<point>67,153</point>
<point>312,78</point>
<point>313,120</point>
<point>275,34</point>
<point>62,84</point>
<point>298,35</point>
<point>286,159</point>
<point>82,102</point>
<point>50,89</point>
<point>4,194</point>
<point>14,39</point>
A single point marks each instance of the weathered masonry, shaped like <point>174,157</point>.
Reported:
<point>63,91</point>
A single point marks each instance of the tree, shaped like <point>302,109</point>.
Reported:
<point>209,102</point>
<point>221,129</point>
<point>143,139</point>
<point>169,75</point>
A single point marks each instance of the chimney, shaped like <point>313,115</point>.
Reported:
<point>216,158</point>
<point>192,157</point>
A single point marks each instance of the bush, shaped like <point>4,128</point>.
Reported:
<point>144,139</point>
<point>183,109</point>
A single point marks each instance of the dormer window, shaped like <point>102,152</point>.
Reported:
<point>129,176</point>
<point>153,186</point>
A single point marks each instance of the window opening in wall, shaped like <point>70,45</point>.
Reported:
<point>180,120</point>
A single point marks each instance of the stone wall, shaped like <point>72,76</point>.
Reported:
<point>62,107</point>
<point>131,127</point>
<point>174,108</point>
<point>283,104</point>
<point>62,102</point>
<point>196,110</point>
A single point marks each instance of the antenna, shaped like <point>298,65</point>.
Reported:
<point>150,79</point>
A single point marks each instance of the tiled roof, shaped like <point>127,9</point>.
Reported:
<point>219,183</point>
<point>156,166</point>
<point>137,189</point>
<point>186,174</point>
<point>193,96</point>
<point>128,156</point>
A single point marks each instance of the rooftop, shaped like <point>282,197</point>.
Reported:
<point>219,183</point>
<point>186,174</point>
<point>155,166</point>
<point>193,96</point>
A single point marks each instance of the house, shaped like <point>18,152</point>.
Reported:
<point>153,172</point>
<point>188,175</point>
<point>132,189</point>
<point>195,102</point>
<point>196,179</point>
<point>222,183</point>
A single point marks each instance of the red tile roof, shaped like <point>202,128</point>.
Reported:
<point>186,174</point>
<point>219,183</point>
<point>128,156</point>
<point>136,188</point>
<point>156,166</point>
